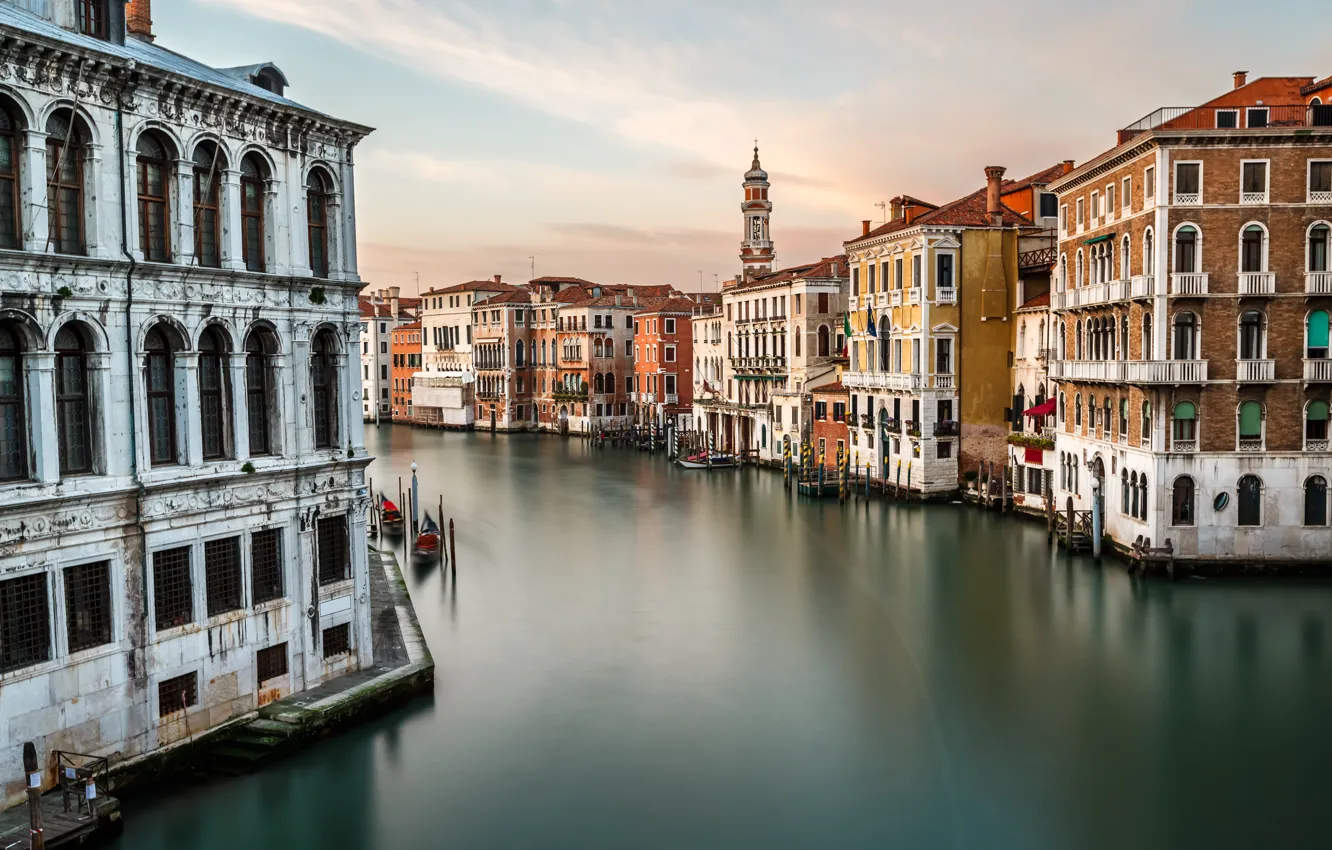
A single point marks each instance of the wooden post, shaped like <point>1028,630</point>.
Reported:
<point>453,548</point>
<point>407,534</point>
<point>37,838</point>
<point>442,560</point>
<point>1068,530</point>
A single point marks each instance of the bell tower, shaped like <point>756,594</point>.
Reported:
<point>756,252</point>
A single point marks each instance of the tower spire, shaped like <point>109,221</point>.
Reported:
<point>756,248</point>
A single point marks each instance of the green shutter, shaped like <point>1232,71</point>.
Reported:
<point>1184,410</point>
<point>1251,419</point>
<point>1318,329</point>
<point>1317,411</point>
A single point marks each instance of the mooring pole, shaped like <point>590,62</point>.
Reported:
<point>1096,519</point>
<point>406,538</point>
<point>30,767</point>
<point>416,502</point>
<point>453,549</point>
<point>442,559</point>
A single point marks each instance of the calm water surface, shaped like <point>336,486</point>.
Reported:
<point>636,656</point>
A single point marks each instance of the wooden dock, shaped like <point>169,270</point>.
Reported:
<point>61,828</point>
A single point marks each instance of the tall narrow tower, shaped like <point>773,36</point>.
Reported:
<point>756,248</point>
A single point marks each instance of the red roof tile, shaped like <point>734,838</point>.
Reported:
<point>1042,300</point>
<point>829,389</point>
<point>516,296</point>
<point>827,267</point>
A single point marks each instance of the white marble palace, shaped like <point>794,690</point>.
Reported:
<point>182,510</point>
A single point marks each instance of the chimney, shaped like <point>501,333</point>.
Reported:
<point>1068,166</point>
<point>993,175</point>
<point>1241,77</point>
<point>895,205</point>
<point>864,227</point>
<point>393,299</point>
<point>497,279</point>
<point>139,19</point>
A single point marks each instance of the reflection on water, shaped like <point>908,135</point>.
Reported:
<point>638,656</point>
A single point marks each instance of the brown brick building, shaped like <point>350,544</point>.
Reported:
<point>405,347</point>
<point>1189,326</point>
<point>663,363</point>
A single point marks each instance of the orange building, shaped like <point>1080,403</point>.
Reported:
<point>663,362</point>
<point>830,432</point>
<point>405,346</point>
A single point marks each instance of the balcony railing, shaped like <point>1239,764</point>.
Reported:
<point>1315,445</point>
<point>1320,197</point>
<point>1216,118</point>
<point>895,298</point>
<point>946,428</point>
<point>913,295</point>
<point>1255,371</point>
<point>1188,283</point>
<point>1140,286</point>
<point>1257,283</point>
<point>943,382</point>
<point>672,398</point>
<point>1318,370</point>
<point>1253,198</point>
<point>1184,446</point>
<point>1188,198</point>
<point>1251,444</point>
<point>945,295</point>
<point>1318,283</point>
<point>1131,371</point>
<point>1091,295</point>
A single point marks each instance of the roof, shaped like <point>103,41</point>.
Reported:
<point>1040,178</point>
<point>1316,86</point>
<point>516,296</point>
<point>414,326</point>
<point>827,267</point>
<point>621,301</point>
<point>476,286</point>
<point>150,54</point>
<point>829,389</point>
<point>565,280</point>
<point>671,305</point>
<point>1042,300</point>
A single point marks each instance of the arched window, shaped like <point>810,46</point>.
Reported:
<point>1125,249</point>
<point>1080,276</point>
<point>1146,336</point>
<point>1320,240</point>
<point>1145,426</point>
<point>10,147</point>
<point>1124,489</point>
<point>65,151</point>
<point>1077,339</point>
<point>1185,428</point>
<point>1148,252</point>
<point>1316,332</point>
<point>316,205</point>
<point>1251,342</point>
<point>1124,337</point>
<point>259,389</point>
<point>1107,416</point>
<point>1315,426</point>
<point>798,336</point>
<point>598,384</point>
<point>1063,408</point>
<point>1252,256</point>
<point>13,412</point>
<point>824,345</point>
<point>1186,249</point>
<point>253,184</point>
<point>610,383</point>
<point>1077,410</point>
<point>1142,496</point>
<point>520,354</point>
<point>214,393</point>
<point>1063,273</point>
<point>208,167</point>
<point>1249,507</point>
<point>161,398</point>
<point>1181,503</point>
<point>885,335</point>
<point>1185,337</point>
<point>596,347</point>
<point>324,382</point>
<point>1123,417</point>
<point>154,207</point>
<point>1315,501</point>
<point>1133,485</point>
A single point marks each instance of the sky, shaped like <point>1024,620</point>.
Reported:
<point>608,138</point>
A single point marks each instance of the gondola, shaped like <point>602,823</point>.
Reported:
<point>389,513</point>
<point>719,460</point>
<point>428,540</point>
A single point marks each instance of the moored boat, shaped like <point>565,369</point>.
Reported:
<point>428,540</point>
<point>389,513</point>
<point>718,460</point>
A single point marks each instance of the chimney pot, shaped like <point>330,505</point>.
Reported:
<point>864,227</point>
<point>497,278</point>
<point>994,174</point>
<point>895,205</point>
<point>1241,77</point>
<point>1068,166</point>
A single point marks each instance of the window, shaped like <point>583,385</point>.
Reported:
<point>1250,425</point>
<point>161,398</point>
<point>65,153</point>
<point>1095,208</point>
<point>1252,255</point>
<point>11,146</point>
<point>670,354</point>
<point>266,565</point>
<point>1257,117</point>
<point>88,605</point>
<point>222,575</point>
<point>1251,335</point>
<point>944,271</point>
<point>177,694</point>
<point>1186,249</point>
<point>13,413</point>
<point>323,380</point>
<point>259,347</point>
<point>337,640</point>
<point>25,630</point>
<point>93,18</point>
<point>628,348</point>
<point>824,341</point>
<point>1049,205</point>
<point>173,601</point>
<point>1077,410</point>
<point>316,206</point>
<point>1081,219</point>
<point>1185,337</point>
<point>943,356</point>
<point>1185,422</point>
<point>214,394</point>
<point>154,213</point>
<point>1148,252</point>
<point>1316,334</point>
<point>1188,182</point>
<point>1126,194</point>
<point>670,326</point>
<point>1250,501</point>
<point>823,302</point>
<point>253,184</point>
<point>1145,426</point>
<point>1253,183</point>
<point>270,663</point>
<point>1181,504</point>
<point>1315,501</point>
<point>915,270</point>
<point>1227,119</point>
<point>1320,238</point>
<point>1149,186</point>
<point>334,557</point>
<point>1320,181</point>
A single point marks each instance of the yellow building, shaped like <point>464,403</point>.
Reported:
<point>932,296</point>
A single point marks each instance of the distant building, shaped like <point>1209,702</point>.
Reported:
<point>830,436</point>
<point>381,311</point>
<point>405,346</point>
<point>502,357</point>
<point>663,364</point>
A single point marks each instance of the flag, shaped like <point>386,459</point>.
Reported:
<point>846,333</point>
<point>869,323</point>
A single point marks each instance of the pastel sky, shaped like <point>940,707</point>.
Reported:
<point>607,138</point>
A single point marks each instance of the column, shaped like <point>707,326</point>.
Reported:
<point>39,377</point>
<point>33,189</point>
<point>299,431</point>
<point>333,235</point>
<point>183,250</point>
<point>360,566</point>
<point>348,216</point>
<point>130,187</point>
<point>229,197</point>
<point>277,232</point>
<point>94,235</point>
<point>350,407</point>
<point>240,408</point>
<point>189,427</point>
<point>108,446</point>
<point>282,419</point>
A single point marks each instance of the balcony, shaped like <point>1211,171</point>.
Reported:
<point>1251,444</point>
<point>672,398</point>
<point>1255,371</point>
<point>1141,286</point>
<point>946,428</point>
<point>1318,371</point>
<point>913,295</point>
<point>1318,283</point>
<point>1188,283</point>
<point>1191,199</point>
<point>1214,118</point>
<point>1257,283</point>
<point>945,295</point>
<point>1253,198</point>
<point>1131,371</point>
<point>943,382</point>
<point>1315,445</point>
<point>1091,295</point>
<point>895,298</point>
<point>1088,370</point>
<point>1320,197</point>
<point>1184,446</point>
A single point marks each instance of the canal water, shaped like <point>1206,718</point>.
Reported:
<point>637,656</point>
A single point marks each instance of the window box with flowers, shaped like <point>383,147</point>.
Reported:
<point>912,429</point>
<point>946,428</point>
<point>1031,441</point>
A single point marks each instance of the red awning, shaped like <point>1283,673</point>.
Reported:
<point>1045,408</point>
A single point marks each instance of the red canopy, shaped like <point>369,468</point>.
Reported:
<point>1045,408</point>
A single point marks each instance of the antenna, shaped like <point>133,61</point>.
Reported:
<point>533,259</point>
<point>700,281</point>
<point>883,207</point>
<point>418,284</point>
